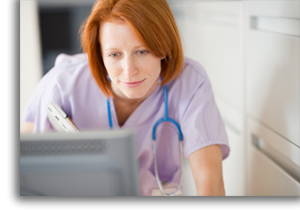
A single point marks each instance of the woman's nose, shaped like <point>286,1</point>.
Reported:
<point>129,67</point>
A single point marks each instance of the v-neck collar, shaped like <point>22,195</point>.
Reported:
<point>134,119</point>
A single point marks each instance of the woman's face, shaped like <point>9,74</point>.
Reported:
<point>132,68</point>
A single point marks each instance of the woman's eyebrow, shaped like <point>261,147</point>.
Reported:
<point>115,48</point>
<point>111,48</point>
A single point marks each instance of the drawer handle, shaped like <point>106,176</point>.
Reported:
<point>284,163</point>
<point>276,25</point>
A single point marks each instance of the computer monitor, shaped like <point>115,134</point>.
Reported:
<point>91,163</point>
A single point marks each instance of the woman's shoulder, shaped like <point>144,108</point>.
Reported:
<point>193,68</point>
<point>193,75</point>
<point>192,81</point>
<point>68,71</point>
<point>69,83</point>
<point>67,65</point>
<point>69,78</point>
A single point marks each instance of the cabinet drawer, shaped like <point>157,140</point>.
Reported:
<point>273,82</point>
<point>273,163</point>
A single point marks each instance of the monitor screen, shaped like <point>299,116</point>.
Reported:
<point>91,163</point>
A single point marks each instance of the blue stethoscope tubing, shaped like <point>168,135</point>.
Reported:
<point>180,136</point>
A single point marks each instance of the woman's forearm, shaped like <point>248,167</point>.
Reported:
<point>206,165</point>
<point>211,188</point>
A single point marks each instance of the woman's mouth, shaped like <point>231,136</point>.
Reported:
<point>133,84</point>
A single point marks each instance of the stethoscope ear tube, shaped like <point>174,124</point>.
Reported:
<point>109,114</point>
<point>166,118</point>
<point>156,171</point>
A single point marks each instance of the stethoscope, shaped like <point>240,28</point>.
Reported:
<point>164,119</point>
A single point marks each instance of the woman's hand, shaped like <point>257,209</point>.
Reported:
<point>28,127</point>
<point>206,165</point>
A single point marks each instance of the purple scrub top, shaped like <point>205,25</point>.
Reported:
<point>191,103</point>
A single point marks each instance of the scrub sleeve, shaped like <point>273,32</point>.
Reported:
<point>201,122</point>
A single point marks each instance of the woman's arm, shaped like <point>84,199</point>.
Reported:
<point>27,127</point>
<point>206,165</point>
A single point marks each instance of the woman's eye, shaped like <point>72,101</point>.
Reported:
<point>114,55</point>
<point>142,52</point>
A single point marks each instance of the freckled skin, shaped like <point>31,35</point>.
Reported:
<point>127,61</point>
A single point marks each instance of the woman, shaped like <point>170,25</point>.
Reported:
<point>132,50</point>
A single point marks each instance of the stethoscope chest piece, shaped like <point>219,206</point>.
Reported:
<point>167,134</point>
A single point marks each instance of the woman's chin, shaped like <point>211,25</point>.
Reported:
<point>134,95</point>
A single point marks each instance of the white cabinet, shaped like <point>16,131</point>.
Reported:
<point>272,92</point>
<point>273,163</point>
<point>273,89</point>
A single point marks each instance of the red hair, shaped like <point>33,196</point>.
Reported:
<point>152,22</point>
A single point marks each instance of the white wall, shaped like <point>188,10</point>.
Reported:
<point>273,93</point>
<point>30,51</point>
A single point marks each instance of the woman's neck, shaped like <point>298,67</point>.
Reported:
<point>125,106</point>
